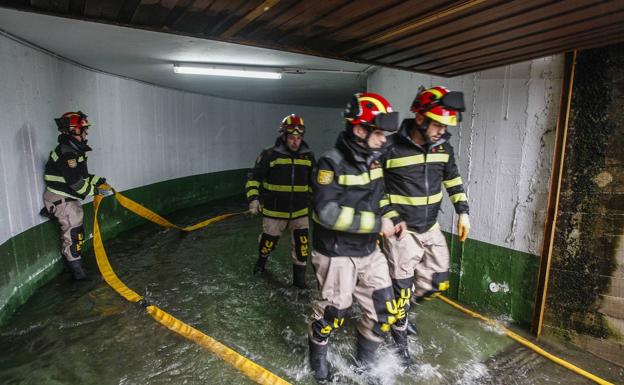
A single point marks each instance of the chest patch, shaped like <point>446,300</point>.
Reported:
<point>325,177</point>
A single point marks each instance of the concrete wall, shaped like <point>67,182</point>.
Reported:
<point>504,144</point>
<point>586,294</point>
<point>141,135</point>
<point>504,150</point>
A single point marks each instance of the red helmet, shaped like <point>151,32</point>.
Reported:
<point>373,111</point>
<point>292,124</point>
<point>439,104</point>
<point>73,123</point>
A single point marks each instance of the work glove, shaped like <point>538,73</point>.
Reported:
<point>103,190</point>
<point>254,207</point>
<point>463,227</point>
<point>387,227</point>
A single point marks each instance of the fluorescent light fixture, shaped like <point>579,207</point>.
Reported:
<point>224,70</point>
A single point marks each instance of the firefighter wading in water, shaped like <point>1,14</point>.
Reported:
<point>279,188</point>
<point>350,210</point>
<point>67,182</point>
<point>418,164</point>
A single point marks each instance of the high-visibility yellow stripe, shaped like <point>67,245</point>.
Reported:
<point>437,158</point>
<point>452,182</point>
<point>285,188</point>
<point>345,218</point>
<point>81,159</point>
<point>405,161</point>
<point>95,180</point>
<point>391,214</point>
<point>249,368</point>
<point>415,201</point>
<point>367,221</point>
<point>384,202</point>
<point>361,179</point>
<point>252,183</point>
<point>54,178</point>
<point>461,197</point>
<point>84,187</point>
<point>283,214</point>
<point>62,193</point>
<point>54,156</point>
<point>301,162</point>
<point>252,192</point>
<point>416,159</point>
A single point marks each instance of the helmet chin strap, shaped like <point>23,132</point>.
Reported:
<point>422,128</point>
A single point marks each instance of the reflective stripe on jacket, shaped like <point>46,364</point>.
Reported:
<point>66,171</point>
<point>349,202</point>
<point>281,180</point>
<point>415,175</point>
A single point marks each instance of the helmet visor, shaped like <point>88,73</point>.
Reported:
<point>294,130</point>
<point>387,122</point>
<point>454,101</point>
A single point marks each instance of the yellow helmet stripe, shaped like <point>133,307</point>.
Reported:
<point>376,102</point>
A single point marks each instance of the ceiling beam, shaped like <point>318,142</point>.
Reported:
<point>248,18</point>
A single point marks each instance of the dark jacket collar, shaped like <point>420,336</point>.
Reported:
<point>70,141</point>
<point>354,152</point>
<point>407,125</point>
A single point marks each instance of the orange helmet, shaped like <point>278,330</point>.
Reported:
<point>439,104</point>
<point>73,123</point>
<point>292,124</point>
<point>373,111</point>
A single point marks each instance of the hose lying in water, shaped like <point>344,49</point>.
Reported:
<point>249,368</point>
<point>527,343</point>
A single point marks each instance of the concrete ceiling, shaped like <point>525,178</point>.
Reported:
<point>149,56</point>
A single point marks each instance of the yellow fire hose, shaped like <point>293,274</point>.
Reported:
<point>527,343</point>
<point>249,368</point>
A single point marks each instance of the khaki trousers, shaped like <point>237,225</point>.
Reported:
<point>299,240</point>
<point>69,215</point>
<point>424,256</point>
<point>365,278</point>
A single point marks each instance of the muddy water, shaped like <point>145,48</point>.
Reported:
<point>84,333</point>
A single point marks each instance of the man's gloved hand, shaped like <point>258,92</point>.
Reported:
<point>254,207</point>
<point>387,227</point>
<point>400,230</point>
<point>463,227</point>
<point>103,190</point>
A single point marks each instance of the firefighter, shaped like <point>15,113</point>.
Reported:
<point>67,182</point>
<point>279,188</point>
<point>350,210</point>
<point>420,161</point>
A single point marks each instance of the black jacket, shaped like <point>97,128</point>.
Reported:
<point>281,180</point>
<point>415,175</point>
<point>66,171</point>
<point>349,201</point>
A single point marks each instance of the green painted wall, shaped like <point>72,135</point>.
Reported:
<point>480,264</point>
<point>32,258</point>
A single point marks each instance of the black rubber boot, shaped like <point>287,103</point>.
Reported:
<point>299,276</point>
<point>318,362</point>
<point>77,269</point>
<point>399,335</point>
<point>365,352</point>
<point>260,263</point>
<point>411,329</point>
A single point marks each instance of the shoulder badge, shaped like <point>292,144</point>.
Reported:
<point>325,176</point>
<point>72,163</point>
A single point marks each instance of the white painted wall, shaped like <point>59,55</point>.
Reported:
<point>504,145</point>
<point>141,134</point>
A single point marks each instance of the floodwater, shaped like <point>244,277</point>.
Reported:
<point>84,333</point>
